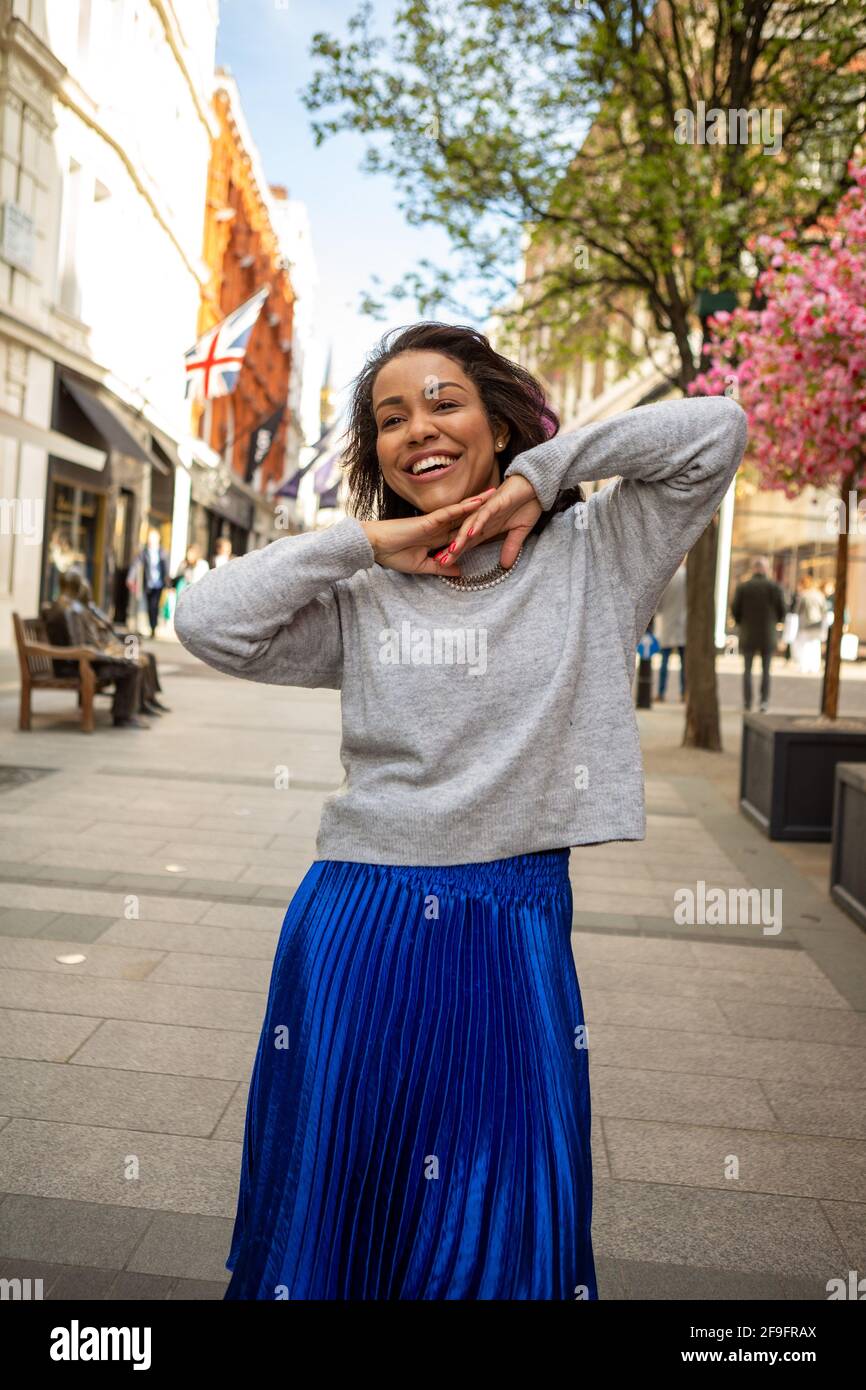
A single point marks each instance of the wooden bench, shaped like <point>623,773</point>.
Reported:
<point>35,656</point>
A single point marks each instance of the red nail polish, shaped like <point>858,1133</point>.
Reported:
<point>469,532</point>
<point>451,546</point>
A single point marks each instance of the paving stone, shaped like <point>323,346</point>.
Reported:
<point>117,962</point>
<point>82,1282</point>
<point>199,1290</point>
<point>210,940</point>
<point>273,898</point>
<point>681,1225</point>
<point>679,1099</point>
<point>242,915</point>
<point>645,1280</point>
<point>697,1156</point>
<point>68,873</point>
<point>70,1233</point>
<point>610,921</point>
<point>829,1110</point>
<point>174,1050</point>
<point>848,1220</point>
<point>217,888</point>
<point>76,926</point>
<point>130,999</point>
<point>155,1102</point>
<point>24,921</point>
<point>693,982</point>
<point>797,1024</point>
<point>217,972</point>
<point>619,904</point>
<point>47,1037</point>
<point>12,868</point>
<point>48,897</point>
<point>186,1247</point>
<point>88,1163</point>
<point>630,950</point>
<point>231,1125</point>
<point>609,1005</point>
<point>146,883</point>
<point>660,1049</point>
<point>137,1288</point>
<point>34,1270</point>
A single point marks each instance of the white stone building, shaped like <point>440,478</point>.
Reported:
<point>106,133</point>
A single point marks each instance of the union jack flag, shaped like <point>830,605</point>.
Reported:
<point>214,364</point>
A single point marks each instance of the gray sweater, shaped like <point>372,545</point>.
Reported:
<point>478,725</point>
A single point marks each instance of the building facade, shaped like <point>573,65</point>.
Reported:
<point>243,253</point>
<point>103,191</point>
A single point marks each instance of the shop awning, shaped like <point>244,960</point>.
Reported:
<point>166,444</point>
<point>107,421</point>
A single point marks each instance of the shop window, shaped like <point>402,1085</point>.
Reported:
<point>74,538</point>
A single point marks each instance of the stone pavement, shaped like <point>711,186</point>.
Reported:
<point>166,859</point>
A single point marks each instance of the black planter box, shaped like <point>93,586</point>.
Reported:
<point>787,771</point>
<point>848,865</point>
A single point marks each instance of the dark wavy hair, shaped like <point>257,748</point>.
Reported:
<point>509,395</point>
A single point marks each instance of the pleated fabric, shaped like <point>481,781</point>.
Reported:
<point>418,1118</point>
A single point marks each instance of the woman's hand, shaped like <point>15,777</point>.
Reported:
<point>513,507</point>
<point>403,544</point>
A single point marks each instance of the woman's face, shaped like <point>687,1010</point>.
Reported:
<point>424,405</point>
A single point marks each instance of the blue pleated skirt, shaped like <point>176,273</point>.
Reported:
<point>418,1118</point>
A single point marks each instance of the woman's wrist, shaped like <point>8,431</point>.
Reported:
<point>369,528</point>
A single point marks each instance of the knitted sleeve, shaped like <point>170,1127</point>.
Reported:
<point>272,615</point>
<point>673,463</point>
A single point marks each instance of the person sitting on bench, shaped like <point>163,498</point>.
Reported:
<point>66,626</point>
<point>121,643</point>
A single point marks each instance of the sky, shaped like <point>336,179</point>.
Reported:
<point>357,227</point>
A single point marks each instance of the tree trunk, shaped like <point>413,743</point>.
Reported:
<point>833,661</point>
<point>702,729</point>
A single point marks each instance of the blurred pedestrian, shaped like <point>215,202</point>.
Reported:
<point>193,567</point>
<point>811,612</point>
<point>153,565</point>
<point>758,605</point>
<point>222,551</point>
<point>670,628</point>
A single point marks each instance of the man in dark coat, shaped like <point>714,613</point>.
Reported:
<point>758,605</point>
<point>155,576</point>
<point>67,626</point>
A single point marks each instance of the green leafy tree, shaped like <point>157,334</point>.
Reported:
<point>636,146</point>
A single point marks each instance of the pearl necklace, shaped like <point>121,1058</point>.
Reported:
<point>481,581</point>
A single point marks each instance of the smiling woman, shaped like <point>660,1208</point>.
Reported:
<point>439,390</point>
<point>418,1121</point>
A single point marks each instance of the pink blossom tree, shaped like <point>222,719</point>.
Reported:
<point>798,368</point>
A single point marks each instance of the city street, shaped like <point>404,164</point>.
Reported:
<point>166,859</point>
